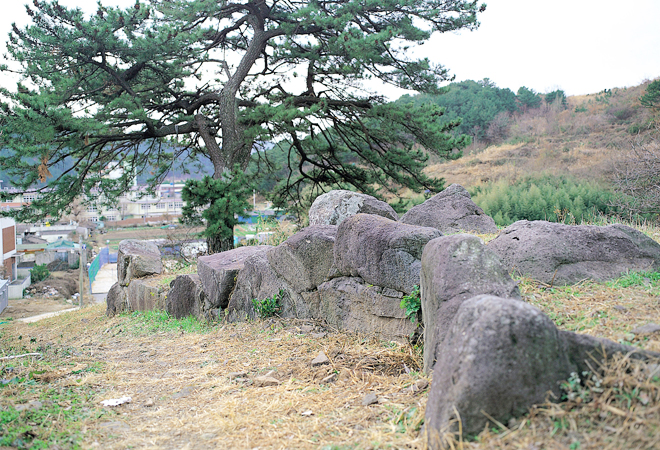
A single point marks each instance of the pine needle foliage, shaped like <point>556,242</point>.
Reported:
<point>218,203</point>
<point>551,198</point>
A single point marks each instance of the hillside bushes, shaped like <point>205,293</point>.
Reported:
<point>556,199</point>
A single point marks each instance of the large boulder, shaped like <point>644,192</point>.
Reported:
<point>218,273</point>
<point>564,254</point>
<point>381,251</point>
<point>258,280</point>
<point>454,269</point>
<point>451,211</point>
<point>186,297</point>
<point>146,294</point>
<point>305,259</point>
<point>352,305</point>
<point>116,300</point>
<point>500,357</point>
<point>335,206</point>
<point>137,259</point>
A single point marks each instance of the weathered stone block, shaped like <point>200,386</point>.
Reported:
<point>186,297</point>
<point>333,207</point>
<point>564,254</point>
<point>116,300</point>
<point>218,273</point>
<point>137,259</point>
<point>305,259</point>
<point>454,269</point>
<point>451,211</point>
<point>258,280</point>
<point>500,357</point>
<point>350,304</point>
<point>380,251</point>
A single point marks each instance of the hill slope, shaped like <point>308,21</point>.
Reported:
<point>584,140</point>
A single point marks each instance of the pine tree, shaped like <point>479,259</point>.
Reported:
<point>154,85</point>
<point>218,202</point>
<point>651,98</point>
<point>528,98</point>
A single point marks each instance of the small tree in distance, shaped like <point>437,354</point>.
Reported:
<point>557,97</point>
<point>528,98</point>
<point>651,99</point>
<point>217,202</point>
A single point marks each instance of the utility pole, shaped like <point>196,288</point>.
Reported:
<point>83,263</point>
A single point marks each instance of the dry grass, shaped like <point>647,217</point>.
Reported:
<point>197,405</point>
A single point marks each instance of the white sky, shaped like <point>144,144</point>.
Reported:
<point>580,46</point>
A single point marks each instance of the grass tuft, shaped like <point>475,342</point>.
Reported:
<point>149,322</point>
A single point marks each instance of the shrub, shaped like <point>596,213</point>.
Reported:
<point>636,177</point>
<point>39,273</point>
<point>268,307</point>
<point>556,199</point>
<point>621,113</point>
<point>412,304</point>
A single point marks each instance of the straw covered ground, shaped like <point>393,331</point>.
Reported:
<point>196,386</point>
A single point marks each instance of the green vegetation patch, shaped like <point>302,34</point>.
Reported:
<point>551,198</point>
<point>648,279</point>
<point>268,307</point>
<point>39,273</point>
<point>412,304</point>
<point>149,322</point>
<point>37,409</point>
<point>51,417</point>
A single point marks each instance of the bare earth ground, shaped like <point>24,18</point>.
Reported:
<point>183,395</point>
<point>28,307</point>
<point>36,305</point>
<point>197,387</point>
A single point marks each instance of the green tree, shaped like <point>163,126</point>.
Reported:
<point>558,96</point>
<point>159,83</point>
<point>473,105</point>
<point>528,98</point>
<point>218,203</point>
<point>651,99</point>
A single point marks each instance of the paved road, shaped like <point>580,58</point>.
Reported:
<point>104,280</point>
<point>32,319</point>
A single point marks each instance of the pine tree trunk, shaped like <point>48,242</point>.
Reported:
<point>217,244</point>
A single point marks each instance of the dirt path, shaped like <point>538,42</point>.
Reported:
<point>27,307</point>
<point>202,390</point>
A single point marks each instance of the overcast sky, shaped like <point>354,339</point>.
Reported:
<point>580,46</point>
